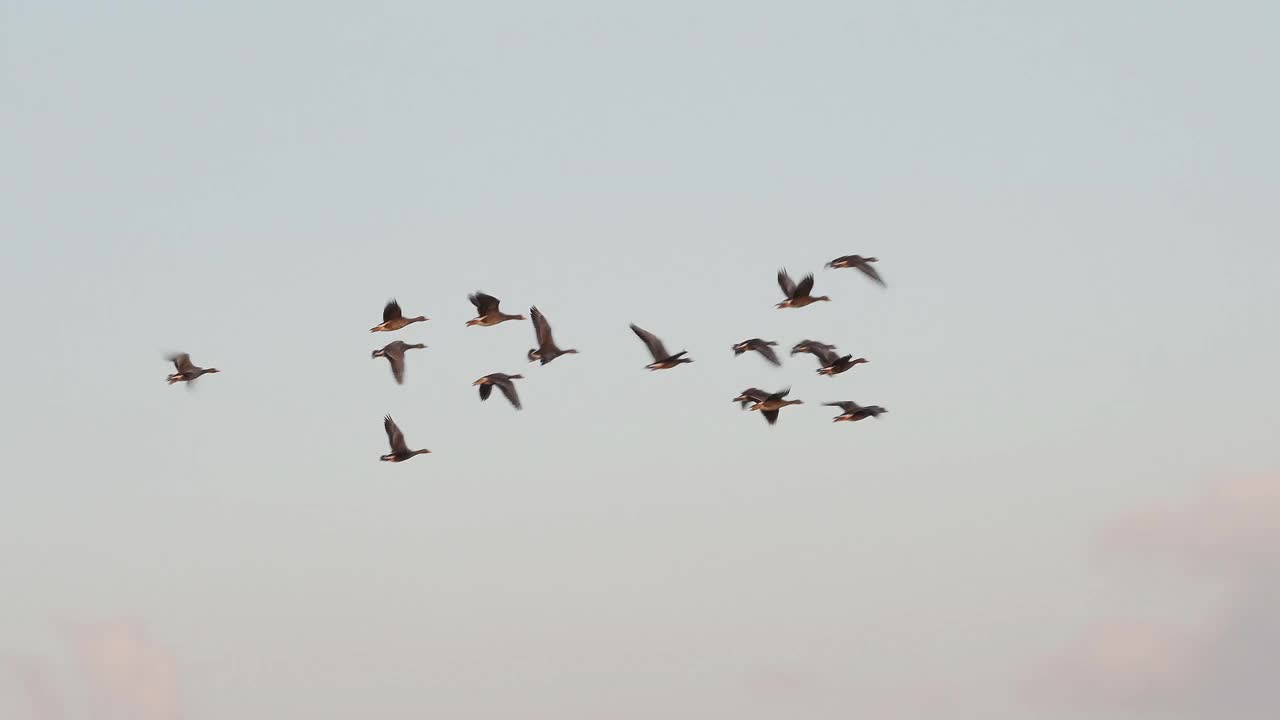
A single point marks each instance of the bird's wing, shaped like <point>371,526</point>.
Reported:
<point>768,354</point>
<point>541,329</point>
<point>181,362</point>
<point>394,436</point>
<point>395,356</point>
<point>787,285</point>
<point>805,286</point>
<point>391,311</point>
<point>485,304</point>
<point>841,259</point>
<point>656,348</point>
<point>845,405</point>
<point>780,394</point>
<point>508,389</point>
<point>485,389</point>
<point>870,272</point>
<point>825,355</point>
<point>770,415</point>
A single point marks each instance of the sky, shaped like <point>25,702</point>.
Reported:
<point>1068,511</point>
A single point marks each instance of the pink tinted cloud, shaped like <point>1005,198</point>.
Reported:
<point>129,674</point>
<point>32,681</point>
<point>1217,665</point>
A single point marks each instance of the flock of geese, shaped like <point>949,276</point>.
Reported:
<point>489,313</point>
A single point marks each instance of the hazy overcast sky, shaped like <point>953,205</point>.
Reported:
<point>1074,208</point>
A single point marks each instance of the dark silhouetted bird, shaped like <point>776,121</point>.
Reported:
<point>774,402</point>
<point>764,347</point>
<point>797,295</point>
<point>853,412</point>
<point>750,396</point>
<point>487,312</point>
<point>860,263</point>
<point>546,350</point>
<point>813,347</point>
<point>394,353</point>
<point>393,319</point>
<point>503,383</point>
<point>399,451</point>
<point>184,370</point>
<point>662,360</point>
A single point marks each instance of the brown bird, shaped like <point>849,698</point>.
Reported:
<point>503,383</point>
<point>750,396</point>
<point>797,295</point>
<point>662,360</point>
<point>488,312</point>
<point>813,347</point>
<point>774,402</point>
<point>546,350</point>
<point>853,412</point>
<point>393,319</point>
<point>833,363</point>
<point>764,347</point>
<point>860,263</point>
<point>394,353</point>
<point>399,451</point>
<point>185,371</point>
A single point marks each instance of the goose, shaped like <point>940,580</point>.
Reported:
<point>503,383</point>
<point>546,350</point>
<point>853,412</point>
<point>662,360</point>
<point>860,263</point>
<point>487,311</point>
<point>393,319</point>
<point>394,353</point>
<point>185,371</point>
<point>797,295</point>
<point>764,347</point>
<point>399,451</point>
<point>772,403</point>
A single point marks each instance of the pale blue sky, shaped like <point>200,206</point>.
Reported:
<point>1073,204</point>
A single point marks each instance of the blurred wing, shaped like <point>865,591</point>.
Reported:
<point>779,395</point>
<point>485,390</point>
<point>391,311</point>
<point>871,272</point>
<point>770,415</point>
<point>785,282</point>
<point>508,388</point>
<point>485,304</point>
<point>656,348</point>
<point>825,355</point>
<point>541,330</point>
<point>769,354</point>
<point>805,286</point>
<point>845,405</point>
<point>396,358</point>
<point>394,436</point>
<point>181,362</point>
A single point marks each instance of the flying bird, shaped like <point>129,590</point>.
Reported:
<point>399,451</point>
<point>487,312</point>
<point>503,383</point>
<point>546,350</point>
<point>774,402</point>
<point>394,353</point>
<point>862,264</point>
<point>662,360</point>
<point>853,412</point>
<point>764,347</point>
<point>833,364</point>
<point>797,295</point>
<point>185,371</point>
<point>813,347</point>
<point>393,319</point>
<point>750,396</point>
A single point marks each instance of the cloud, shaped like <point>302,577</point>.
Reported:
<point>32,681</point>
<point>130,676</point>
<point>1220,665</point>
